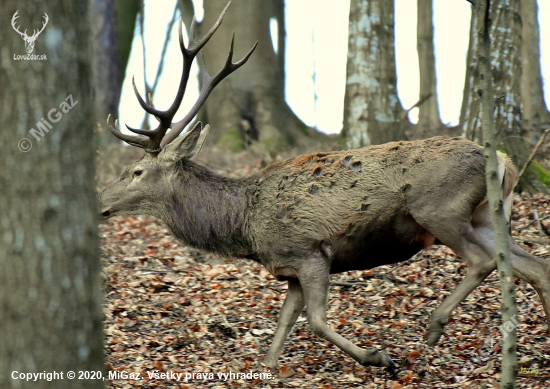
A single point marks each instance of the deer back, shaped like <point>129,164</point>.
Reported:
<point>353,206</point>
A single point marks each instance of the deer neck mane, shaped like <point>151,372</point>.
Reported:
<point>208,211</point>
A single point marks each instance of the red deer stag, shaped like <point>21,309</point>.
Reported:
<point>314,215</point>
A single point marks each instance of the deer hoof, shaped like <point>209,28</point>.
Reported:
<point>271,364</point>
<point>391,368</point>
<point>433,337</point>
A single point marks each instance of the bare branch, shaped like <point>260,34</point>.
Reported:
<point>531,157</point>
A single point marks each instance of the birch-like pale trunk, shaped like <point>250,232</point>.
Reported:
<point>535,112</point>
<point>469,77</point>
<point>372,111</point>
<point>494,193</point>
<point>505,31</point>
<point>429,119</point>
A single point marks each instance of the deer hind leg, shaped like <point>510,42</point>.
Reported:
<point>475,242</point>
<point>535,271</point>
<point>314,278</point>
<point>476,251</point>
<point>291,309</point>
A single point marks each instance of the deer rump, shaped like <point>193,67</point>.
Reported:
<point>367,207</point>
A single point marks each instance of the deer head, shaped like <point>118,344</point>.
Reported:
<point>29,40</point>
<point>136,190</point>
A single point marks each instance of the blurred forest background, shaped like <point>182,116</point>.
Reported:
<point>257,107</point>
<point>52,289</point>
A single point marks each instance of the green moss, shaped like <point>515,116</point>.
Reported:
<point>274,144</point>
<point>231,140</point>
<point>540,171</point>
<point>503,150</point>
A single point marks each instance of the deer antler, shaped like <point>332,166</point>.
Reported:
<point>152,140</point>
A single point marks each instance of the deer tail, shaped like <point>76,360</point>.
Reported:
<point>506,175</point>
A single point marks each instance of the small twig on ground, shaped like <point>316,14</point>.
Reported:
<point>348,284</point>
<point>525,226</point>
<point>230,327</point>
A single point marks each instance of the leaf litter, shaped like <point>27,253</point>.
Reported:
<point>173,309</point>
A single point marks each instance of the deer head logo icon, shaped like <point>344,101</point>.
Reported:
<point>29,40</point>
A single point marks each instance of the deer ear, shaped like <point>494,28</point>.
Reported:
<point>200,142</point>
<point>184,146</point>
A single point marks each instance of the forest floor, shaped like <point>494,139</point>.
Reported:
<point>176,317</point>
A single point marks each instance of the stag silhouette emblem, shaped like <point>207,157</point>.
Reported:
<point>29,40</point>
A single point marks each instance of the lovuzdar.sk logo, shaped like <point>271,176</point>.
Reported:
<point>29,40</point>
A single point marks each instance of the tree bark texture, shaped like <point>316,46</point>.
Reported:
<point>469,77</point>
<point>494,194</point>
<point>535,111</point>
<point>125,22</point>
<point>505,32</point>
<point>50,299</point>
<point>249,104</point>
<point>107,82</point>
<point>372,111</point>
<point>429,119</point>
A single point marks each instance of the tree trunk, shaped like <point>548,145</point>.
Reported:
<point>279,16</point>
<point>429,120</point>
<point>50,299</point>
<point>500,224</point>
<point>469,77</point>
<point>372,111</point>
<point>535,111</point>
<point>250,104</point>
<point>107,82</point>
<point>125,23</point>
<point>505,32</point>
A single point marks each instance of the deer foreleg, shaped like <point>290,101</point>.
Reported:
<point>315,284</point>
<point>291,309</point>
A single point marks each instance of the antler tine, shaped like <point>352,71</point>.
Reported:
<point>190,53</point>
<point>146,107</point>
<point>138,141</point>
<point>195,47</point>
<point>151,144</point>
<point>208,85</point>
<point>150,102</point>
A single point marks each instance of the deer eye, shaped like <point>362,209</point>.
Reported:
<point>137,173</point>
